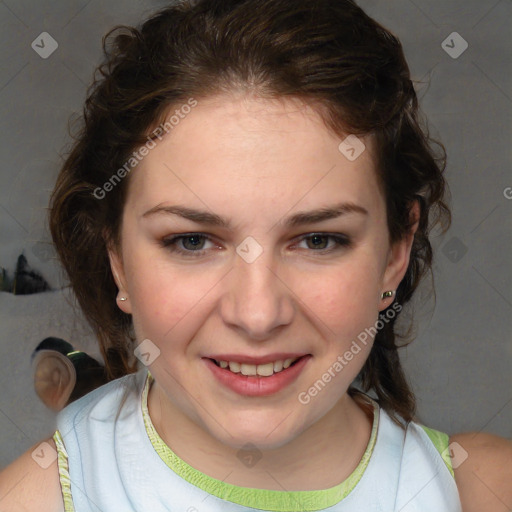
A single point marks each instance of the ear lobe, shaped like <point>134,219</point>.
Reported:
<point>54,378</point>
<point>400,252</point>
<point>116,266</point>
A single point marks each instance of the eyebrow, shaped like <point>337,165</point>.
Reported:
<point>297,219</point>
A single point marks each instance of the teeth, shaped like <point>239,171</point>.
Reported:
<point>263,370</point>
<point>234,367</point>
<point>287,362</point>
<point>248,369</point>
<point>278,366</point>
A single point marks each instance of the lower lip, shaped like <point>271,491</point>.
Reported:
<point>257,385</point>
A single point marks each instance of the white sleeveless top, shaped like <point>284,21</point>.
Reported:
<point>111,459</point>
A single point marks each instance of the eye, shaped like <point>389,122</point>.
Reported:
<point>189,244</point>
<point>196,244</point>
<point>319,242</point>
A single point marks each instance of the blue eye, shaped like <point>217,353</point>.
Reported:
<point>192,244</point>
<point>319,242</point>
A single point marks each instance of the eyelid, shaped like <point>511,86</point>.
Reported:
<point>171,241</point>
<point>341,241</point>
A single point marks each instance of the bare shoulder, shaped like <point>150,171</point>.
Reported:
<point>31,482</point>
<point>483,471</point>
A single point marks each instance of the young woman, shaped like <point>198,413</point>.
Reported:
<point>243,217</point>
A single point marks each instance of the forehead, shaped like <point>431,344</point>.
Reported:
<point>245,151</point>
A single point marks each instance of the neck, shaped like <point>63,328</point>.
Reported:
<point>304,463</point>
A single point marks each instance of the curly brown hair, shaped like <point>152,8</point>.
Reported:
<point>328,53</point>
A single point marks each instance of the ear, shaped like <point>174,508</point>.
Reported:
<point>54,378</point>
<point>117,268</point>
<point>399,256</point>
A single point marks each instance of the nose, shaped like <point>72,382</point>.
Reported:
<point>257,302</point>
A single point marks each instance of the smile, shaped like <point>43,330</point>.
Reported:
<point>252,379</point>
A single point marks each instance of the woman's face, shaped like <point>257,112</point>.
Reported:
<point>286,255</point>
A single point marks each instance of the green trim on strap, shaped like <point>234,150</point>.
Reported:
<point>271,500</point>
<point>440,440</point>
<point>65,481</point>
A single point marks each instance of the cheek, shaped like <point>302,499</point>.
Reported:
<point>344,299</point>
<point>165,300</point>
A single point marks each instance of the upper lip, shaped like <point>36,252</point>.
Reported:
<point>269,358</point>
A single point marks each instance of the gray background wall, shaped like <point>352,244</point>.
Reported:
<point>460,362</point>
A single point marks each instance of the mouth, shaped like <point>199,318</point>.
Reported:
<point>256,377</point>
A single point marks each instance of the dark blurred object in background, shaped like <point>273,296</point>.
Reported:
<point>63,374</point>
<point>26,280</point>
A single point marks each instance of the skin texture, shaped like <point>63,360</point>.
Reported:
<point>484,477</point>
<point>25,486</point>
<point>256,162</point>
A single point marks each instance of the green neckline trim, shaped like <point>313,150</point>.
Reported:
<point>265,499</point>
<point>441,441</point>
<point>65,480</point>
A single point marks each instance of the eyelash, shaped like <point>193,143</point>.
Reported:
<point>171,243</point>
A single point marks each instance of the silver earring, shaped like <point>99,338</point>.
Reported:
<point>387,294</point>
<point>122,298</point>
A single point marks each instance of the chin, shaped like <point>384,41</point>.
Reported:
<point>265,434</point>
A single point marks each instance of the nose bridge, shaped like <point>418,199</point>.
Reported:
<point>257,301</point>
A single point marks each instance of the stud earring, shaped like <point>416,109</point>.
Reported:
<point>387,294</point>
<point>122,298</point>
